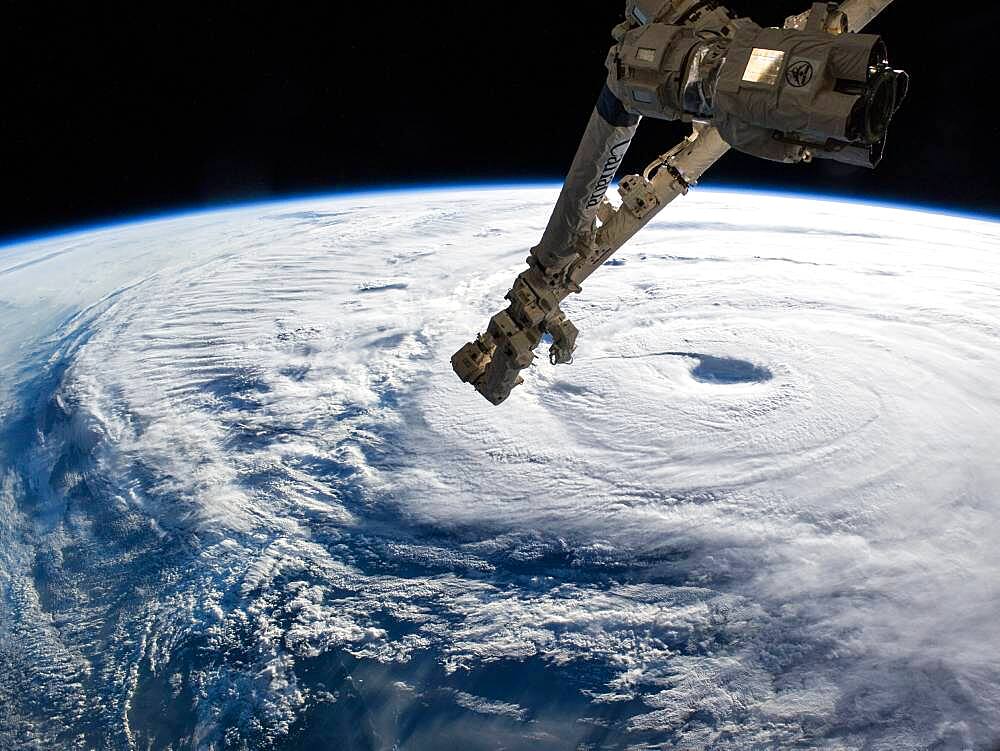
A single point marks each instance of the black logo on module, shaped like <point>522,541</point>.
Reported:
<point>608,174</point>
<point>799,74</point>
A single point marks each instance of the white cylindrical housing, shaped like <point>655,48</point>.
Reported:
<point>602,149</point>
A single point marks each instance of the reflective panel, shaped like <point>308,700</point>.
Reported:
<point>646,55</point>
<point>764,66</point>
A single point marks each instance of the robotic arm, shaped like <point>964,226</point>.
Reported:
<point>809,90</point>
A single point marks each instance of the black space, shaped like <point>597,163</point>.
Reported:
<point>113,109</point>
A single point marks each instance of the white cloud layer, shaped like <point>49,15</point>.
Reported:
<point>249,464</point>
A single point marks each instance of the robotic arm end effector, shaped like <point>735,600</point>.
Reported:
<point>806,91</point>
<point>791,95</point>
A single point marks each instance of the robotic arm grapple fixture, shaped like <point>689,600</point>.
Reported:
<point>809,90</point>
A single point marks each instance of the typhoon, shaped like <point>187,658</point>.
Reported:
<point>244,504</point>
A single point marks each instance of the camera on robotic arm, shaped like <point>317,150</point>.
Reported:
<point>809,90</point>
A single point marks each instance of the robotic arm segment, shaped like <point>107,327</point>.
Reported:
<point>644,196</point>
<point>808,90</point>
<point>825,17</point>
<point>602,149</point>
<point>860,13</point>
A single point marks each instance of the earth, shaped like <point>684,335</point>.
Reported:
<point>246,504</point>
